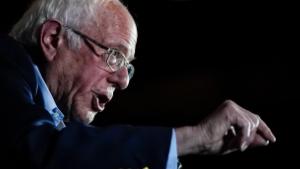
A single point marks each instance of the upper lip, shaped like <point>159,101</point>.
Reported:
<point>103,97</point>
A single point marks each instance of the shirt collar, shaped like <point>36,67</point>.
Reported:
<point>49,103</point>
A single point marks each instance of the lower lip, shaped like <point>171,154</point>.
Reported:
<point>96,104</point>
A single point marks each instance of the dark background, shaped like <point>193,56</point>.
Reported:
<point>192,55</point>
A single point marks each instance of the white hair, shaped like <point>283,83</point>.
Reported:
<point>73,13</point>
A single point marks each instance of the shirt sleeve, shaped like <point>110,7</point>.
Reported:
<point>172,160</point>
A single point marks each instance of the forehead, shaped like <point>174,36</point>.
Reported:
<point>115,27</point>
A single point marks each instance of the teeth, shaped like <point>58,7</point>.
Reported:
<point>110,92</point>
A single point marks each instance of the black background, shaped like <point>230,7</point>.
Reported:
<point>192,55</point>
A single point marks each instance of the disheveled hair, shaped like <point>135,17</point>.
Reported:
<point>73,13</point>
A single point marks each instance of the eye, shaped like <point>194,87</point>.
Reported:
<point>112,59</point>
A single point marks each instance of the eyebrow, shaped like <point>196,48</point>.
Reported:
<point>122,47</point>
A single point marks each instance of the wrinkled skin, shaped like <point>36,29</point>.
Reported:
<point>79,79</point>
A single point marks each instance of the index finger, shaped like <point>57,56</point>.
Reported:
<point>265,131</point>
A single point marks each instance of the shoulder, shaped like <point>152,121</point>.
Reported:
<point>15,62</point>
<point>13,52</point>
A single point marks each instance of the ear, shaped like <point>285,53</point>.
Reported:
<point>50,38</point>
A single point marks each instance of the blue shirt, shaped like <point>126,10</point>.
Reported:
<point>172,161</point>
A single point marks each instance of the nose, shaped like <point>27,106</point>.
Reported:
<point>120,78</point>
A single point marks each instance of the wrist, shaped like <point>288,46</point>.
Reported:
<point>187,140</point>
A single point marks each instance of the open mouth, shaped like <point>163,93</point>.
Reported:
<point>99,101</point>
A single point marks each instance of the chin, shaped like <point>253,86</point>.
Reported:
<point>87,117</point>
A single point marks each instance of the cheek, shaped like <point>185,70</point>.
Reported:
<point>89,78</point>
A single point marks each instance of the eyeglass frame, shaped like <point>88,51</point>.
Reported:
<point>109,52</point>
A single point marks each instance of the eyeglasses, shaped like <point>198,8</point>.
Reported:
<point>115,60</point>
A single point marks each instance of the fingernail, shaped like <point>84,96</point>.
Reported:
<point>243,146</point>
<point>274,139</point>
<point>267,142</point>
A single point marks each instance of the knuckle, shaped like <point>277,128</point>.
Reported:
<point>257,120</point>
<point>229,103</point>
<point>248,124</point>
<point>231,107</point>
<point>253,125</point>
<point>257,117</point>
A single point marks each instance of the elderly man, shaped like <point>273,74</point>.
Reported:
<point>70,56</point>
